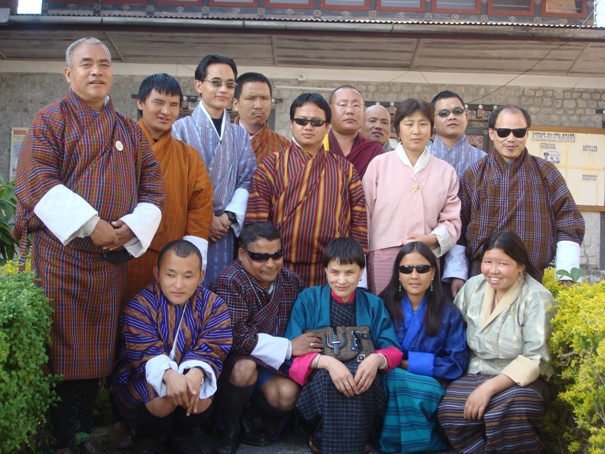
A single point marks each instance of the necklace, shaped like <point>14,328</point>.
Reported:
<point>415,187</point>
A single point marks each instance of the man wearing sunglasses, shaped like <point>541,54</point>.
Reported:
<point>252,100</point>
<point>308,193</point>
<point>513,190</point>
<point>227,153</point>
<point>260,294</point>
<point>451,143</point>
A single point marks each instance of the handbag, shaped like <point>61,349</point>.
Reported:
<point>345,342</point>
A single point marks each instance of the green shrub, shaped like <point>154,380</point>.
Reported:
<point>8,203</point>
<point>577,416</point>
<point>25,391</point>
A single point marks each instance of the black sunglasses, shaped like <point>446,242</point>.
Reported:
<point>446,113</point>
<point>264,256</point>
<point>519,133</point>
<point>408,269</point>
<point>305,121</point>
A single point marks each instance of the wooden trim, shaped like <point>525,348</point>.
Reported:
<point>591,208</point>
<point>566,129</point>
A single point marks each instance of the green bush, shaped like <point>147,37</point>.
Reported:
<point>8,203</point>
<point>25,391</point>
<point>576,419</point>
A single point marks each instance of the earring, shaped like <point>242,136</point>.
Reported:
<point>431,286</point>
<point>400,287</point>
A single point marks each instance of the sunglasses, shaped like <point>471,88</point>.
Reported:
<point>519,133</point>
<point>446,113</point>
<point>264,256</point>
<point>305,121</point>
<point>219,83</point>
<point>408,269</point>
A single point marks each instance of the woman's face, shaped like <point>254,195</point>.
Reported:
<point>499,270</point>
<point>415,283</point>
<point>414,132</point>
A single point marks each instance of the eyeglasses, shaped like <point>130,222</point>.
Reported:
<point>264,256</point>
<point>408,269</point>
<point>305,121</point>
<point>219,83</point>
<point>446,113</point>
<point>519,133</point>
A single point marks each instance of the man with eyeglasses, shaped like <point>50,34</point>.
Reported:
<point>513,190</point>
<point>451,143</point>
<point>260,294</point>
<point>308,193</point>
<point>344,139</point>
<point>252,100</point>
<point>227,153</point>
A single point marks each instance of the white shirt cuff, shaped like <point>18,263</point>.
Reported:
<point>238,205</point>
<point>271,350</point>
<point>456,264</point>
<point>154,372</point>
<point>65,214</point>
<point>209,386</point>
<point>568,257</point>
<point>201,244</point>
<point>144,222</point>
<point>444,242</point>
<point>363,281</point>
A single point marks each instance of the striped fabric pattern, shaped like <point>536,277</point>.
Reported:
<point>266,141</point>
<point>380,268</point>
<point>188,208</point>
<point>529,197</point>
<point>148,329</point>
<point>310,199</point>
<point>71,144</point>
<point>461,156</point>
<point>230,162</point>
<point>512,422</point>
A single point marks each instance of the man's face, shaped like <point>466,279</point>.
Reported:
<point>509,147</point>
<point>309,137</point>
<point>347,111</point>
<point>159,111</point>
<point>179,277</point>
<point>451,126</point>
<point>266,271</point>
<point>90,75</point>
<point>376,124</point>
<point>254,105</point>
<point>216,99</point>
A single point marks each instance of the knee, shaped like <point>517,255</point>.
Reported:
<point>244,373</point>
<point>283,394</point>
<point>203,405</point>
<point>160,407</point>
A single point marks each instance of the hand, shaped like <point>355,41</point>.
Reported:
<point>123,233</point>
<point>340,375</point>
<point>301,345</point>
<point>405,364</point>
<point>177,388</point>
<point>195,379</point>
<point>104,235</point>
<point>220,226</point>
<point>456,285</point>
<point>366,372</point>
<point>429,240</point>
<point>477,402</point>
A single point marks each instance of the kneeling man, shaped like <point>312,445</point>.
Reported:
<point>260,294</point>
<point>175,336</point>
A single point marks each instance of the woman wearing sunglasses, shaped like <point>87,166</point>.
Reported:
<point>410,195</point>
<point>430,332</point>
<point>499,406</point>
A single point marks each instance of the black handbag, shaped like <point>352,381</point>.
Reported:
<point>345,342</point>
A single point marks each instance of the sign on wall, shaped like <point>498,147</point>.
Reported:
<point>17,136</point>
<point>579,154</point>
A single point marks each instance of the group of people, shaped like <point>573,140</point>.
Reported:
<point>231,257</point>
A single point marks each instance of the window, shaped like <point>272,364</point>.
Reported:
<point>345,4</point>
<point>563,6</point>
<point>400,4</point>
<point>514,6</point>
<point>462,5</point>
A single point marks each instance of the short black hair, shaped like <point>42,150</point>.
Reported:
<point>163,83</point>
<point>410,106</point>
<point>341,88</point>
<point>251,77</point>
<point>445,94</point>
<point>182,249</point>
<point>346,250</point>
<point>212,59</point>
<point>311,98</point>
<point>493,118</point>
<point>257,231</point>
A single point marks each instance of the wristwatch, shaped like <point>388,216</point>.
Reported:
<point>231,216</point>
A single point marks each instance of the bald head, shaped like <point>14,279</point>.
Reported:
<point>376,124</point>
